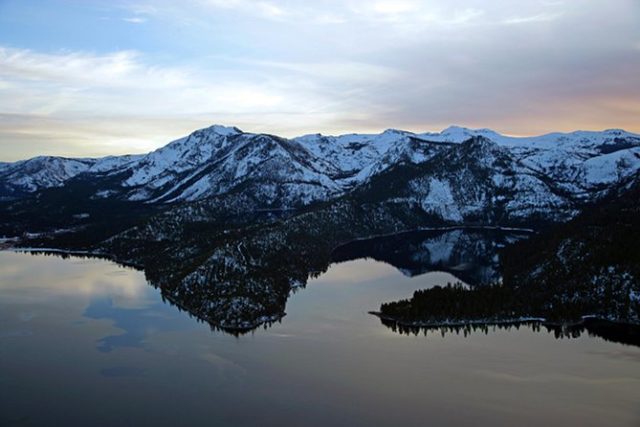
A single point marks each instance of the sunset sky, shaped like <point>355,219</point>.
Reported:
<point>90,78</point>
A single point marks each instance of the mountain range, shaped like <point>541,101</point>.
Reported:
<point>470,171</point>
<point>227,223</point>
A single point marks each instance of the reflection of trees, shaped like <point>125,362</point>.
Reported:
<point>609,331</point>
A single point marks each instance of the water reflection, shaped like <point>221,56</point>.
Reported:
<point>609,331</point>
<point>134,322</point>
<point>469,254</point>
<point>71,279</point>
<point>327,363</point>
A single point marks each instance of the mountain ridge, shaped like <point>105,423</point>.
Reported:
<point>325,166</point>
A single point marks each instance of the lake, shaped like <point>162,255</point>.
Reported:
<point>88,342</point>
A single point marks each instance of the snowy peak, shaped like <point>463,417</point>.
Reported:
<point>166,163</point>
<point>224,130</point>
<point>214,161</point>
<point>457,134</point>
<point>396,132</point>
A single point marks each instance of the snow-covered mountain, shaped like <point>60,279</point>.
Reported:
<point>28,176</point>
<point>464,171</point>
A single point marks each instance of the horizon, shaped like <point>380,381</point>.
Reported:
<point>96,78</point>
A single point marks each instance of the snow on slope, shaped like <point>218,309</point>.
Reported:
<point>353,156</point>
<point>439,199</point>
<point>44,171</point>
<point>578,161</point>
<point>525,175</point>
<point>218,160</point>
<point>27,176</point>
<point>181,155</point>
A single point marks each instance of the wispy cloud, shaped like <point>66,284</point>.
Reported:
<point>395,7</point>
<point>138,13</point>
<point>141,8</point>
<point>123,81</point>
<point>135,20</point>
<point>263,9</point>
<point>81,69</point>
<point>543,17</point>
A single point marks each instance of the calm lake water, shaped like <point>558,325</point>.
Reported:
<point>87,342</point>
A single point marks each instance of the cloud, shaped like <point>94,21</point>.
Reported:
<point>81,69</point>
<point>141,9</point>
<point>402,12</point>
<point>140,13</point>
<point>124,78</point>
<point>263,9</point>
<point>135,20</point>
<point>82,83</point>
<point>544,17</point>
<point>395,7</point>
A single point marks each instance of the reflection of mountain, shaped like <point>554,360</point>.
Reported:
<point>240,282</point>
<point>469,254</point>
<point>609,331</point>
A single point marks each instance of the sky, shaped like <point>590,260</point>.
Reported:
<point>93,78</point>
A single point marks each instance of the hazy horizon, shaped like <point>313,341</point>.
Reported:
<point>95,78</point>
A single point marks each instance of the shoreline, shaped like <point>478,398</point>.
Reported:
<point>442,228</point>
<point>495,322</point>
<point>72,252</point>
